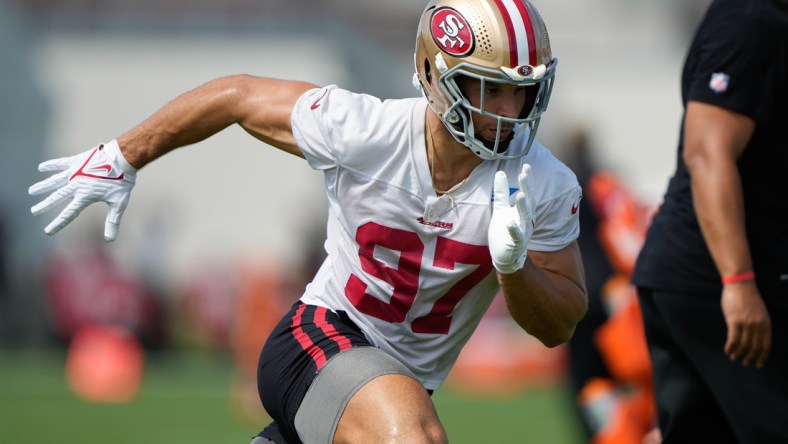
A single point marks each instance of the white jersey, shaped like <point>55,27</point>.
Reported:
<point>412,269</point>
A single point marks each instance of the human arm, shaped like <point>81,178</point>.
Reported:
<point>547,297</point>
<point>108,172</point>
<point>261,106</point>
<point>714,139</point>
<point>544,291</point>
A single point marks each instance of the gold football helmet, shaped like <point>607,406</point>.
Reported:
<point>493,41</point>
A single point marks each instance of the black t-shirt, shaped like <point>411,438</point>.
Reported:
<point>739,61</point>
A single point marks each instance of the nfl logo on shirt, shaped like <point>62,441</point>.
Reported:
<point>719,82</point>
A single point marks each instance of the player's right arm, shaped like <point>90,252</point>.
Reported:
<point>261,106</point>
<point>107,173</point>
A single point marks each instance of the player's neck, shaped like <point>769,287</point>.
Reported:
<point>449,161</point>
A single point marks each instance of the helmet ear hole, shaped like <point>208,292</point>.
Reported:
<point>427,71</point>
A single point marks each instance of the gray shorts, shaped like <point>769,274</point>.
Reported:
<point>330,392</point>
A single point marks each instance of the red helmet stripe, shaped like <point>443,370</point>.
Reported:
<point>520,30</point>
<point>529,32</point>
<point>507,21</point>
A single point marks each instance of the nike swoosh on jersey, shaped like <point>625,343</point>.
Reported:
<point>316,105</point>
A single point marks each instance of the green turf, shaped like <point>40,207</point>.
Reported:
<point>186,399</point>
<point>538,415</point>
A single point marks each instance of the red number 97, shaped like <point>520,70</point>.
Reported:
<point>405,278</point>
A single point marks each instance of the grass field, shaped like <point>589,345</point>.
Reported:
<point>185,398</point>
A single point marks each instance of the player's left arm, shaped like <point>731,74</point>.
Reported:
<point>544,291</point>
<point>548,297</point>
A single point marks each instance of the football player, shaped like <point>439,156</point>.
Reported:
<point>435,204</point>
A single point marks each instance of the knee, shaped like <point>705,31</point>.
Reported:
<point>427,431</point>
<point>391,409</point>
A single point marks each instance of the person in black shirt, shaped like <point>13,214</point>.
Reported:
<point>713,274</point>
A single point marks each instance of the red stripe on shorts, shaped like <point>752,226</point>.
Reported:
<point>306,342</point>
<point>320,320</point>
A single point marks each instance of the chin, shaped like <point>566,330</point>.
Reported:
<point>504,145</point>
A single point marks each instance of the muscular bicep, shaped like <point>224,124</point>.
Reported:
<point>566,262</point>
<point>714,139</point>
<point>265,108</point>
<point>712,132</point>
<point>548,298</point>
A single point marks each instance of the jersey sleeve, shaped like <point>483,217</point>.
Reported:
<point>311,135</point>
<point>557,222</point>
<point>334,127</point>
<point>557,196</point>
<point>736,67</point>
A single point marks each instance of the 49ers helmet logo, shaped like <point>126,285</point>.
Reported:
<point>452,32</point>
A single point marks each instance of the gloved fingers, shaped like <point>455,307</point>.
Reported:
<point>59,164</point>
<point>49,184</point>
<point>112,224</point>
<point>524,178</point>
<point>524,209</point>
<point>68,214</point>
<point>53,200</point>
<point>515,232</point>
<point>500,190</point>
<point>526,181</point>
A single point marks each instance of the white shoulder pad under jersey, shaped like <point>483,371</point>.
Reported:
<point>412,269</point>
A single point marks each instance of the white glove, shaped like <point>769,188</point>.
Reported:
<point>511,227</point>
<point>99,174</point>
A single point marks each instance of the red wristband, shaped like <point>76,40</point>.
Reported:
<point>741,277</point>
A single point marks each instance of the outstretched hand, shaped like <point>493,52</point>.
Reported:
<point>511,226</point>
<point>99,174</point>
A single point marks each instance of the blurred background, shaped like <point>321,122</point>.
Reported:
<point>154,338</point>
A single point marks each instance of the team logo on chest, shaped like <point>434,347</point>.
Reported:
<point>451,32</point>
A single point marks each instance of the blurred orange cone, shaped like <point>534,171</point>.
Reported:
<point>615,417</point>
<point>104,364</point>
